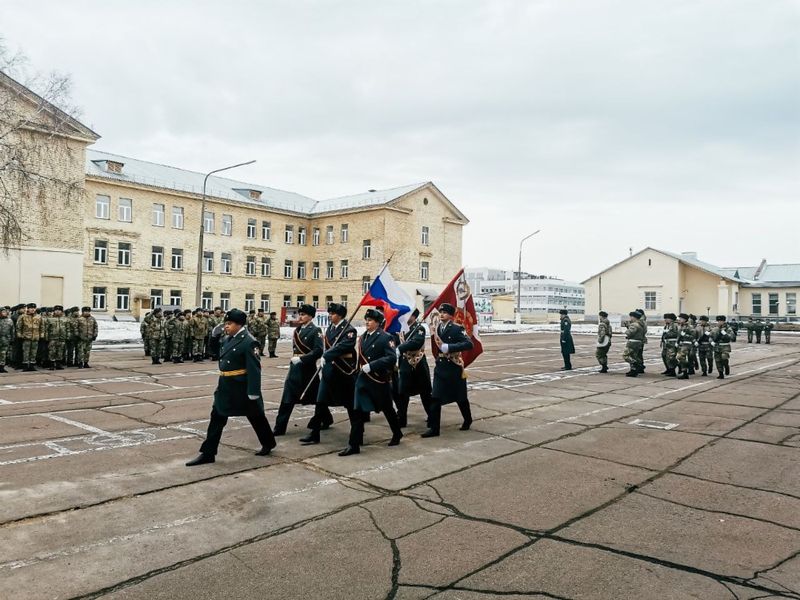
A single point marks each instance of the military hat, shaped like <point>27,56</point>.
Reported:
<point>337,309</point>
<point>563,311</point>
<point>217,308</point>
<point>58,307</point>
<point>72,309</point>
<point>17,307</point>
<point>30,305</point>
<point>703,318</point>
<point>307,309</point>
<point>178,311</point>
<point>415,313</point>
<point>157,310</point>
<point>640,311</point>
<point>684,316</point>
<point>669,316</point>
<point>5,308</point>
<point>86,309</point>
<point>722,318</point>
<point>197,310</point>
<point>444,307</point>
<point>236,316</point>
<point>693,317</point>
<point>260,309</point>
<point>273,314</point>
<point>634,313</point>
<point>603,313</point>
<point>374,315</point>
<point>252,311</point>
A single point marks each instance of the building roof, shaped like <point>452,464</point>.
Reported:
<point>689,258</point>
<point>173,178</point>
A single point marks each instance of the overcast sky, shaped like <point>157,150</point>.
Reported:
<point>607,124</point>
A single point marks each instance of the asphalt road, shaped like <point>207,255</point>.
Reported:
<point>556,492</point>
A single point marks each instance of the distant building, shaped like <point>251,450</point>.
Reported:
<point>662,281</point>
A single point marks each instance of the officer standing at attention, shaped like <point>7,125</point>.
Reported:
<point>567,345</point>
<point>29,330</point>
<point>273,334</point>
<point>634,345</point>
<point>155,334</point>
<point>759,327</point>
<point>308,348</point>
<point>449,378</point>
<point>767,331</point>
<point>238,390</point>
<point>260,333</point>
<point>686,339</point>
<point>87,333</point>
<point>338,376</point>
<point>603,341</point>
<point>57,331</point>
<point>415,375</point>
<point>377,355</point>
<point>669,345</point>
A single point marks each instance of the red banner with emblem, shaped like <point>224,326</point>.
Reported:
<point>458,293</point>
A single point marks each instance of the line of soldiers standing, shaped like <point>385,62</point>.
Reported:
<point>45,337</point>
<point>183,334</point>
<point>756,327</point>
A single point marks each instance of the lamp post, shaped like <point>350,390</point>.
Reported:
<point>519,277</point>
<point>199,286</point>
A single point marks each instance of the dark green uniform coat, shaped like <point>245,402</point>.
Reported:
<point>373,392</point>
<point>308,347</point>
<point>449,383</point>
<point>231,396</point>
<point>414,379</point>
<point>567,345</point>
<point>339,371</point>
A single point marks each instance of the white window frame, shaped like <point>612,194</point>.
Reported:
<point>124,254</point>
<point>426,235</point>
<point>288,268</point>
<point>251,229</point>
<point>301,269</point>
<point>791,303</point>
<point>227,225</point>
<point>100,253</point>
<point>176,297</point>
<point>424,270</point>
<point>158,214</point>
<point>315,236</point>
<point>124,300</point>
<point>287,300</point>
<point>125,210</point>
<point>330,269</point>
<point>330,237</point>
<point>156,258</point>
<point>650,303</point>
<point>207,300</point>
<point>288,234</point>
<point>265,303</point>
<point>176,259</point>
<point>266,231</point>
<point>366,250</point>
<point>226,263</point>
<point>315,270</point>
<point>102,206</point>
<point>345,233</point>
<point>225,301</point>
<point>365,284</point>
<point>208,261</point>
<point>177,217</point>
<point>753,303</point>
<point>156,299</point>
<point>345,269</point>
<point>770,305</point>
<point>266,266</point>
<point>250,266</point>
<point>249,302</point>
<point>301,236</point>
<point>208,222</point>
<point>99,298</point>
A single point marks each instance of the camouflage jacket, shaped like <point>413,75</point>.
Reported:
<point>635,332</point>
<point>603,331</point>
<point>87,328</point>
<point>671,334</point>
<point>686,334</point>
<point>155,329</point>
<point>180,331</point>
<point>273,329</point>
<point>57,329</point>
<point>722,335</point>
<point>6,330</point>
<point>29,327</point>
<point>198,327</point>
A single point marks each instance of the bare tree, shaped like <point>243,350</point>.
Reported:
<point>38,133</point>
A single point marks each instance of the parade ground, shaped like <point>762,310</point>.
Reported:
<point>573,485</point>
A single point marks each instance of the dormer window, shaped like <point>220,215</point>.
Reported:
<point>110,166</point>
<point>248,193</point>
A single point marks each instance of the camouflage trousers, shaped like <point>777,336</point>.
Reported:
<point>198,346</point>
<point>683,356</point>
<point>633,354</point>
<point>156,347</point>
<point>693,358</point>
<point>601,354</point>
<point>706,355</point>
<point>5,347</point>
<point>262,343</point>
<point>177,344</point>
<point>146,346</point>
<point>669,354</point>
<point>722,354</point>
<point>273,345</point>
<point>82,352</point>
<point>56,350</point>
<point>29,350</point>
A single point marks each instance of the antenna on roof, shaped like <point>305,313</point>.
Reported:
<point>630,251</point>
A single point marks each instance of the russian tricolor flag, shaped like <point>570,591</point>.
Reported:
<point>397,304</point>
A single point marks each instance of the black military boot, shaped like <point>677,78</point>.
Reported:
<point>684,374</point>
<point>727,369</point>
<point>32,367</point>
<point>59,366</point>
<point>3,369</point>
<point>176,359</point>
<point>430,433</point>
<point>704,374</point>
<point>311,438</point>
<point>350,450</point>
<point>603,369</point>
<point>721,375</point>
<point>671,372</point>
<point>201,459</point>
<point>156,361</point>
<point>52,365</point>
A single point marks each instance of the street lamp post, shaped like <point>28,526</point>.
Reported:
<point>519,277</point>
<point>199,287</point>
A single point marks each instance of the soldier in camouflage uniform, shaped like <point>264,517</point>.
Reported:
<point>721,338</point>
<point>260,333</point>
<point>759,328</point>
<point>603,341</point>
<point>212,343</point>
<point>188,340</point>
<point>179,332</point>
<point>71,345</point>
<point>634,346</point>
<point>693,364</point>
<point>669,345</point>
<point>199,330</point>
<point>170,318</point>
<point>686,340</point>
<point>273,333</point>
<point>142,328</point>
<point>155,334</point>
<point>57,330</point>
<point>6,336</point>
<point>29,330</point>
<point>87,333</point>
<point>705,350</point>
<point>767,331</point>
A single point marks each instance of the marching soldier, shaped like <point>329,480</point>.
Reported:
<point>71,347</point>
<point>155,334</point>
<point>567,345</point>
<point>338,376</point>
<point>142,328</point>
<point>180,331</point>
<point>634,345</point>
<point>669,345</point>
<point>6,336</point>
<point>449,378</point>
<point>705,350</point>
<point>29,330</point>
<point>57,329</point>
<point>721,337</point>
<point>198,328</point>
<point>273,334</point>
<point>415,375</point>
<point>301,385</point>
<point>87,333</point>
<point>238,390</point>
<point>603,341</point>
<point>768,326</point>
<point>686,340</point>
<point>377,355</point>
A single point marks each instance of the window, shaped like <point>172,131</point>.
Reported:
<point>426,232</point>
<point>329,270</point>
<point>177,217</point>
<point>123,298</point>
<point>301,236</point>
<point>365,284</point>
<point>315,301</point>
<point>125,212</point>
<point>288,234</point>
<point>315,270</point>
<point>791,303</point>
<point>225,301</point>
<point>124,254</point>
<point>100,252</point>
<point>328,300</point>
<point>287,269</point>
<point>773,304</point>
<point>266,266</point>
<point>345,269</point>
<point>175,297</point>
<point>367,250</point>
<point>226,264</point>
<point>424,268</point>
<point>266,231</point>
<point>265,302</point>
<point>177,259</point>
<point>208,222</point>
<point>315,236</point>
<point>157,257</point>
<point>251,229</point>
<point>207,300</point>
<point>158,215</point>
<point>249,302</point>
<point>301,300</point>
<point>650,301</point>
<point>227,225</point>
<point>208,261</point>
<point>156,298</point>
<point>329,234</point>
<point>99,298</point>
<point>345,237</point>
<point>287,301</point>
<point>343,300</point>
<point>250,266</point>
<point>756,304</point>
<point>301,270</point>
<point>102,207</point>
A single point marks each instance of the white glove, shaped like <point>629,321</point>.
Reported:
<point>322,362</point>
<point>295,360</point>
<point>366,368</point>
<point>696,344</point>
<point>253,397</point>
<point>397,351</point>
<point>444,348</point>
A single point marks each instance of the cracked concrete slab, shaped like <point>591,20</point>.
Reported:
<point>526,430</point>
<point>398,516</point>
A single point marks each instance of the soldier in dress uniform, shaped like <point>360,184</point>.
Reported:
<point>704,349</point>
<point>759,328</point>
<point>16,348</point>
<point>449,378</point>
<point>29,330</point>
<point>87,333</point>
<point>57,330</point>
<point>721,337</point>
<point>634,344</point>
<point>301,385</point>
<point>338,375</point>
<point>686,340</point>
<point>669,345</point>
<point>750,326</point>
<point>273,333</point>
<point>377,355</point>
<point>415,375</point>
<point>238,390</point>
<point>603,341</point>
<point>169,319</point>
<point>567,345</point>
<point>6,336</point>
<point>643,323</point>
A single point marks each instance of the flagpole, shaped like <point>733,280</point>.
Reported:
<point>433,304</point>
<point>353,314</point>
